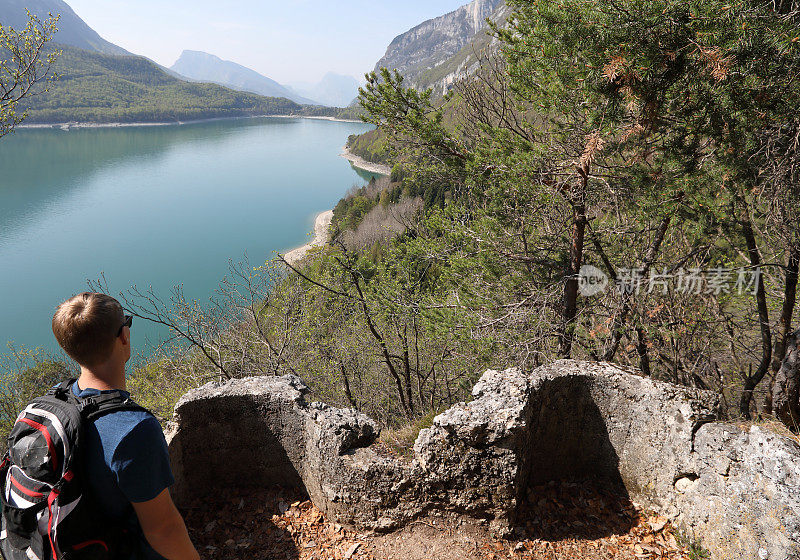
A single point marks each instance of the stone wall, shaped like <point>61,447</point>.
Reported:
<point>734,488</point>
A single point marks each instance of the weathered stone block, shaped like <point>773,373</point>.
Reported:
<point>734,488</point>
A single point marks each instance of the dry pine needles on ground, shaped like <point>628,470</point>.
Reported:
<point>561,521</point>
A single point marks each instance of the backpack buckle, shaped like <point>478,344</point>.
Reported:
<point>89,405</point>
<point>62,390</point>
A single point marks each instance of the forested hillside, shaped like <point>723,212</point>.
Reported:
<point>372,146</point>
<point>659,154</point>
<point>94,87</point>
<point>611,185</point>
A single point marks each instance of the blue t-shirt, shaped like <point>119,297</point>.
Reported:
<point>126,460</point>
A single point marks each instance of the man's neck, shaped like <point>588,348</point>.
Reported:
<point>102,378</point>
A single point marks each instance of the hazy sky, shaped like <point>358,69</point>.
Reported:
<point>287,40</point>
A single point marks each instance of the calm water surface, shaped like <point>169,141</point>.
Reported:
<point>160,206</point>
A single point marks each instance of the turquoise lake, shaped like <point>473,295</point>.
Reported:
<point>155,206</point>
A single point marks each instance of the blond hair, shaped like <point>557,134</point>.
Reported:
<point>86,327</point>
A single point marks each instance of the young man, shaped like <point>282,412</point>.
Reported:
<point>127,462</point>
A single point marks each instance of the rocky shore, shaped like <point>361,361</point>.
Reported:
<point>361,163</point>
<point>321,224</point>
<point>77,124</point>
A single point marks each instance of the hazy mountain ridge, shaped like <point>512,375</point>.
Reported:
<point>334,90</point>
<point>437,52</point>
<point>99,88</point>
<point>205,67</point>
<point>72,30</point>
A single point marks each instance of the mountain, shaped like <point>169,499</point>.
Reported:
<point>72,30</point>
<point>100,82</point>
<point>334,90</point>
<point>100,88</point>
<point>437,52</point>
<point>204,67</point>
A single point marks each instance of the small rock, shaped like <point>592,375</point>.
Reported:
<point>685,484</point>
<point>351,551</point>
<point>657,524</point>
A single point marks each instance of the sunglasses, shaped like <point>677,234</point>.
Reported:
<point>128,322</point>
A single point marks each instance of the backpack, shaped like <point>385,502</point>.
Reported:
<point>47,513</point>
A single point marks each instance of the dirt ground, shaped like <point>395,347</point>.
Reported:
<point>564,521</point>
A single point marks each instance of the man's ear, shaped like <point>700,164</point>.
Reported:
<point>125,336</point>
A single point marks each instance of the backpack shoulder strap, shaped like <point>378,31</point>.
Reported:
<point>96,406</point>
<point>62,389</point>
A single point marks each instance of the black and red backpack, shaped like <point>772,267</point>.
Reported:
<point>48,512</point>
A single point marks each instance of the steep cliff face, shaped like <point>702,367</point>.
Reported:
<point>440,50</point>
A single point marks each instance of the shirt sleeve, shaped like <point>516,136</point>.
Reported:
<point>141,462</point>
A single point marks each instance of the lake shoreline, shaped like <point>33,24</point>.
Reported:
<point>364,165</point>
<point>77,124</point>
<point>322,223</point>
<point>212,194</point>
